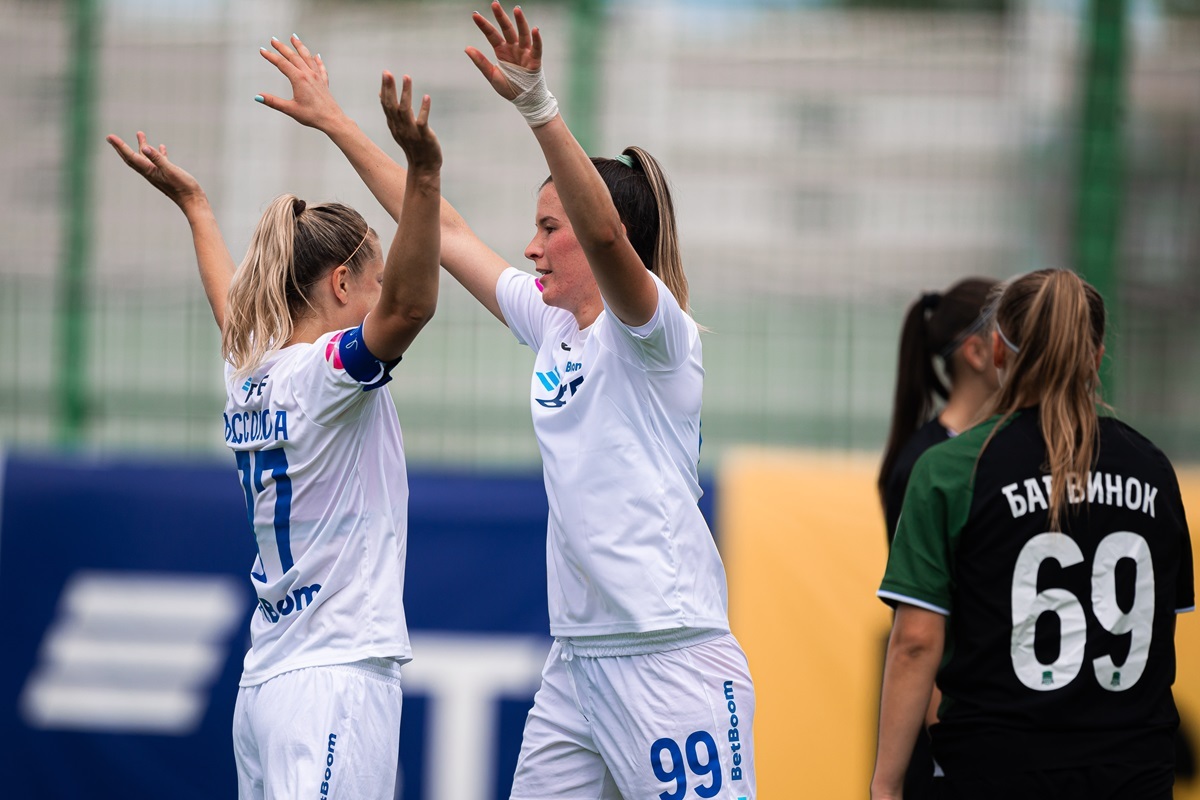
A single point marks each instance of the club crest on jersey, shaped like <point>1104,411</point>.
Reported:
<point>553,380</point>
<point>252,387</point>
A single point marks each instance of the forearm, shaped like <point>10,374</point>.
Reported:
<point>908,681</point>
<point>411,281</point>
<point>212,256</point>
<point>914,652</point>
<point>584,195</point>
<point>382,175</point>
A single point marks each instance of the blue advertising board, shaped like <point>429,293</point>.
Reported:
<point>130,584</point>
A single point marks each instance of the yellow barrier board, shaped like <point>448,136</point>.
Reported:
<point>803,541</point>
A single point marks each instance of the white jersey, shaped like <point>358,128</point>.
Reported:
<point>321,463</point>
<point>617,416</point>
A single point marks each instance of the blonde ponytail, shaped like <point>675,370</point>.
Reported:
<point>1053,322</point>
<point>293,247</point>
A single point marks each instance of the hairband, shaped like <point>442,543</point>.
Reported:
<point>930,300</point>
<point>624,159</point>
<point>350,257</point>
<point>966,333</point>
<point>298,206</point>
<point>1007,342</point>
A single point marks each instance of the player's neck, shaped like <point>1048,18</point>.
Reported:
<point>967,400</point>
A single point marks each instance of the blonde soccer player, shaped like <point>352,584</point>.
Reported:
<point>645,692</point>
<point>313,323</point>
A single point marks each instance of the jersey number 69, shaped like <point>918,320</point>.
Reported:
<point>1028,604</point>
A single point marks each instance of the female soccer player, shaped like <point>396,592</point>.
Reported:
<point>312,323</point>
<point>1046,554</point>
<point>940,328</point>
<point>943,328</point>
<point>645,692</point>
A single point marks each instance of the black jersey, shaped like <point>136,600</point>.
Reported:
<point>1060,647</point>
<point>929,434</point>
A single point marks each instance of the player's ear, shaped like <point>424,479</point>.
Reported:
<point>999,351</point>
<point>975,351</point>
<point>339,283</point>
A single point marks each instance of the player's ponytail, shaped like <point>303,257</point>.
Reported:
<point>1052,322</point>
<point>292,248</point>
<point>934,328</point>
<point>642,197</point>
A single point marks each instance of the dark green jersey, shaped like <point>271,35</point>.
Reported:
<point>1059,646</point>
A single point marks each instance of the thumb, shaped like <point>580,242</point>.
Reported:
<point>277,103</point>
<point>156,157</point>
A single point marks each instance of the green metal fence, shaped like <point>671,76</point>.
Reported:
<point>829,163</point>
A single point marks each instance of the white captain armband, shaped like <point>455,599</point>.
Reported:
<point>348,352</point>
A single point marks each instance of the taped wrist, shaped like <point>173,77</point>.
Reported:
<point>533,99</point>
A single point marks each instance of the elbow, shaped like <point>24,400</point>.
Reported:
<point>915,646</point>
<point>417,315</point>
<point>603,237</point>
<point>917,636</point>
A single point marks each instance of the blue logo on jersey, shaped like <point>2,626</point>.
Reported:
<point>553,379</point>
<point>292,603</point>
<point>252,388</point>
<point>549,379</point>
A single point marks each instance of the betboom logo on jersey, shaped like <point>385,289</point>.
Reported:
<point>553,379</point>
<point>292,603</point>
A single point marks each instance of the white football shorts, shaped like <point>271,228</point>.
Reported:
<point>670,724</point>
<point>328,732</point>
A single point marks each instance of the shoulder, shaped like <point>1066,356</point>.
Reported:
<point>1117,432</point>
<point>1119,440</point>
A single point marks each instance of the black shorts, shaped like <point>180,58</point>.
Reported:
<point>1102,782</point>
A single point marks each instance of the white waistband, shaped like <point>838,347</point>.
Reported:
<point>635,644</point>
<point>388,668</point>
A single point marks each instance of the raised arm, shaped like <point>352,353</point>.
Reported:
<point>472,263</point>
<point>624,281</point>
<point>212,256</point>
<point>410,275</point>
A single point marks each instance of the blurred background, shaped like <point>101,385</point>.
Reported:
<point>830,161</point>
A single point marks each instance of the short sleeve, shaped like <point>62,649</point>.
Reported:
<point>663,343</point>
<point>337,374</point>
<point>520,301</point>
<point>918,569</point>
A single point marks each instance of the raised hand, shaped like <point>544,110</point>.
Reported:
<point>312,103</point>
<point>413,134</point>
<point>153,165</point>
<point>517,45</point>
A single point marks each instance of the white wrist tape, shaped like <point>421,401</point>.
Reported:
<point>533,99</point>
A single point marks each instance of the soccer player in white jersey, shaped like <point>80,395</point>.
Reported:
<point>312,324</point>
<point>645,693</point>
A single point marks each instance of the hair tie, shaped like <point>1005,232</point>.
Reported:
<point>624,159</point>
<point>298,207</point>
<point>930,300</point>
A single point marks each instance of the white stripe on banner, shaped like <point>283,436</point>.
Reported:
<point>133,652</point>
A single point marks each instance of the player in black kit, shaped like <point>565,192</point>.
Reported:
<point>1038,566</point>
